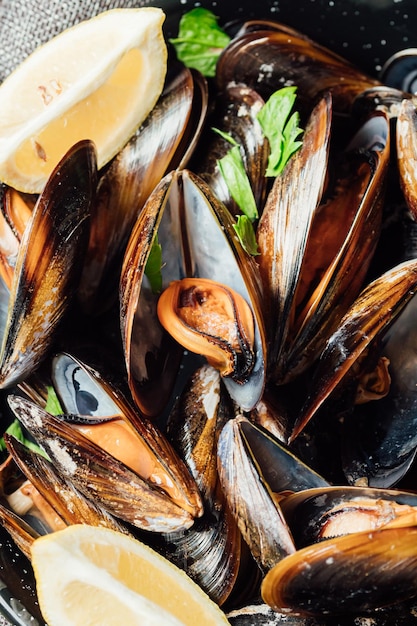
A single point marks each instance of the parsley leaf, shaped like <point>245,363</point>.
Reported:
<point>52,403</point>
<point>233,171</point>
<point>200,41</point>
<point>15,429</point>
<point>246,234</point>
<point>280,129</point>
<point>153,267</point>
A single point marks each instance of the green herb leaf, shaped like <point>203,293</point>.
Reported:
<point>291,132</point>
<point>233,171</point>
<point>246,234</point>
<point>15,429</point>
<point>200,41</point>
<point>153,268</point>
<point>53,405</point>
<point>280,129</point>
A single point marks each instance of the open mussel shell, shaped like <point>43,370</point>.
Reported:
<point>376,307</point>
<point>165,141</point>
<point>356,207</point>
<point>379,439</point>
<point>277,465</point>
<point>255,472</point>
<point>285,225</point>
<point>49,263</point>
<point>268,58</point>
<point>324,512</point>
<point>348,575</point>
<point>95,404</point>
<point>197,239</point>
<point>99,475</point>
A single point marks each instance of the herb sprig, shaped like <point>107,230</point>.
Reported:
<point>199,44</point>
<point>200,40</point>
<point>280,128</point>
<point>52,406</point>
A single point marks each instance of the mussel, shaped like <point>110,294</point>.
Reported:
<point>196,235</point>
<point>152,474</point>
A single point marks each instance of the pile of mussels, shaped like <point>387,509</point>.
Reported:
<point>277,466</point>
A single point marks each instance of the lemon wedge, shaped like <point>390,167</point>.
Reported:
<point>93,576</point>
<point>97,80</point>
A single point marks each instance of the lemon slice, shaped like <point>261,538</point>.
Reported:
<point>97,80</point>
<point>93,576</point>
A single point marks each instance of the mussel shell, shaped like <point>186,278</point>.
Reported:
<point>247,493</point>
<point>19,530</point>
<point>195,422</point>
<point>407,152</point>
<point>358,213</point>
<point>18,588</point>
<point>152,357</point>
<point>80,386</point>
<point>197,237</point>
<point>99,475</point>
<point>307,510</point>
<point>267,59</point>
<point>261,614</point>
<point>353,574</point>
<point>285,224</point>
<point>14,215</point>
<point>235,114</point>
<point>49,263</point>
<point>60,493</point>
<point>376,307</point>
<point>212,552</point>
<point>283,472</point>
<point>379,98</point>
<point>379,441</point>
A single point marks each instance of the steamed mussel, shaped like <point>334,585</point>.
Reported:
<point>241,373</point>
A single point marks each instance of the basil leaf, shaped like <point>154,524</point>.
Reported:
<point>233,171</point>
<point>153,267</point>
<point>246,234</point>
<point>200,41</point>
<point>280,131</point>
